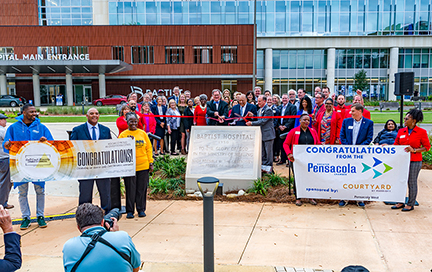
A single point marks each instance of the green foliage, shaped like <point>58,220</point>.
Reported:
<point>259,186</point>
<point>427,157</point>
<point>170,167</point>
<point>77,110</point>
<point>360,81</point>
<point>161,185</point>
<point>275,180</point>
<point>158,185</point>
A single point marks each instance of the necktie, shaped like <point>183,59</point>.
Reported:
<point>242,111</point>
<point>94,133</point>
<point>283,113</point>
<point>217,104</point>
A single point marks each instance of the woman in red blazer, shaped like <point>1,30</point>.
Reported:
<point>328,124</point>
<point>146,119</point>
<point>121,120</point>
<point>301,135</point>
<point>200,112</point>
<point>418,141</point>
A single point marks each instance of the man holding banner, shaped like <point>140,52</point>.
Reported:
<point>29,128</point>
<point>91,130</point>
<point>356,131</point>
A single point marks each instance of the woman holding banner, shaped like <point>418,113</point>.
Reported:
<point>301,135</point>
<point>418,141</point>
<point>136,186</point>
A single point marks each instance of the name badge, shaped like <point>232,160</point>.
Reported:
<point>338,111</point>
<point>350,127</point>
<point>402,136</point>
<point>298,132</point>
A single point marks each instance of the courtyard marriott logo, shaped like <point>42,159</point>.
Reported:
<point>377,163</point>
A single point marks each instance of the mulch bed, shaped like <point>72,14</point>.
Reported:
<point>427,166</point>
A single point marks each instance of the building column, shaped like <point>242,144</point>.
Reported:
<point>102,86</point>
<point>393,69</point>
<point>268,71</point>
<point>69,90</point>
<point>36,90</point>
<point>3,84</point>
<point>331,62</point>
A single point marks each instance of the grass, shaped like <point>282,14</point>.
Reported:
<point>382,117</point>
<point>71,119</point>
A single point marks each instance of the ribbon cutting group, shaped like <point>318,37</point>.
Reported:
<point>315,121</point>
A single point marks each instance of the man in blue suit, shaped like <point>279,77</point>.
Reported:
<point>12,259</point>
<point>241,110</point>
<point>91,130</point>
<point>356,131</point>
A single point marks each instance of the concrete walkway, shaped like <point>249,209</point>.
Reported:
<point>254,236</point>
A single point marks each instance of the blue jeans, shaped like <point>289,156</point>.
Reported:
<point>23,200</point>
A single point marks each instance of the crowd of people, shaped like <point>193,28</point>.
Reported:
<point>322,119</point>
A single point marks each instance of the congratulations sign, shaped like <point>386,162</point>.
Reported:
<point>362,173</point>
<point>65,160</point>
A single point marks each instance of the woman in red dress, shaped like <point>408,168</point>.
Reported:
<point>147,119</point>
<point>201,111</point>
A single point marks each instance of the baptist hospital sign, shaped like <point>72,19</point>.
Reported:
<point>48,57</point>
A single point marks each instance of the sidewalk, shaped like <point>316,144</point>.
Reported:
<point>254,236</point>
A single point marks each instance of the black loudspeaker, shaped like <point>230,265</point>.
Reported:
<point>404,83</point>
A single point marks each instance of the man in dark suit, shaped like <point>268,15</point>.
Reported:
<point>12,259</point>
<point>176,95</point>
<point>217,109</point>
<point>356,131</point>
<point>241,110</point>
<point>267,132</point>
<point>91,130</point>
<point>285,124</point>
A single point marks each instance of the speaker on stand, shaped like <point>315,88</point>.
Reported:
<point>404,85</point>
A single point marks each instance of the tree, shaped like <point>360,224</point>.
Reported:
<point>360,81</point>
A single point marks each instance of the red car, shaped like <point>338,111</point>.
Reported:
<point>113,99</point>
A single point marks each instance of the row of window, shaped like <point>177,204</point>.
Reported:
<point>65,12</point>
<point>415,58</point>
<point>299,59</point>
<point>176,54</point>
<point>281,18</point>
<point>361,58</point>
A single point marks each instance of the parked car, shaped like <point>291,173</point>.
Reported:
<point>11,100</point>
<point>113,99</point>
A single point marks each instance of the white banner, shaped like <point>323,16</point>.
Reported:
<point>66,160</point>
<point>362,173</point>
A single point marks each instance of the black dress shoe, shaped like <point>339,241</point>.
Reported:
<point>408,210</point>
<point>395,207</point>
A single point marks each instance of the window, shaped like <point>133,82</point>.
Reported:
<point>142,55</point>
<point>203,54</point>
<point>174,54</point>
<point>118,53</point>
<point>229,54</point>
<point>6,51</point>
<point>68,50</point>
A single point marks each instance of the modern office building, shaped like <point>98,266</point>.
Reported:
<point>300,44</point>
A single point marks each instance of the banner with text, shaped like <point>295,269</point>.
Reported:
<point>66,160</point>
<point>362,173</point>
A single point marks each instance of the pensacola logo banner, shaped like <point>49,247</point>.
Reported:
<point>362,173</point>
<point>32,161</point>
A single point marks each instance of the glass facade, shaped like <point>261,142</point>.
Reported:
<point>285,18</point>
<point>362,58</point>
<point>65,12</point>
<point>418,61</point>
<point>299,59</point>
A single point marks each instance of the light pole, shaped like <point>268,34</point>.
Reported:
<point>208,186</point>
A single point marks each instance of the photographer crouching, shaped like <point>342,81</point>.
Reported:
<point>102,246</point>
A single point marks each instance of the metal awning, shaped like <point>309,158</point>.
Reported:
<point>63,67</point>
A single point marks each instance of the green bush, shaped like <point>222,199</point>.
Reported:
<point>170,167</point>
<point>427,157</point>
<point>275,180</point>
<point>158,185</point>
<point>77,110</point>
<point>259,186</point>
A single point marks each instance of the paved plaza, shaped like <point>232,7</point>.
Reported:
<point>254,236</point>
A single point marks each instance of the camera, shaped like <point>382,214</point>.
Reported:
<point>113,213</point>
<point>153,137</point>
